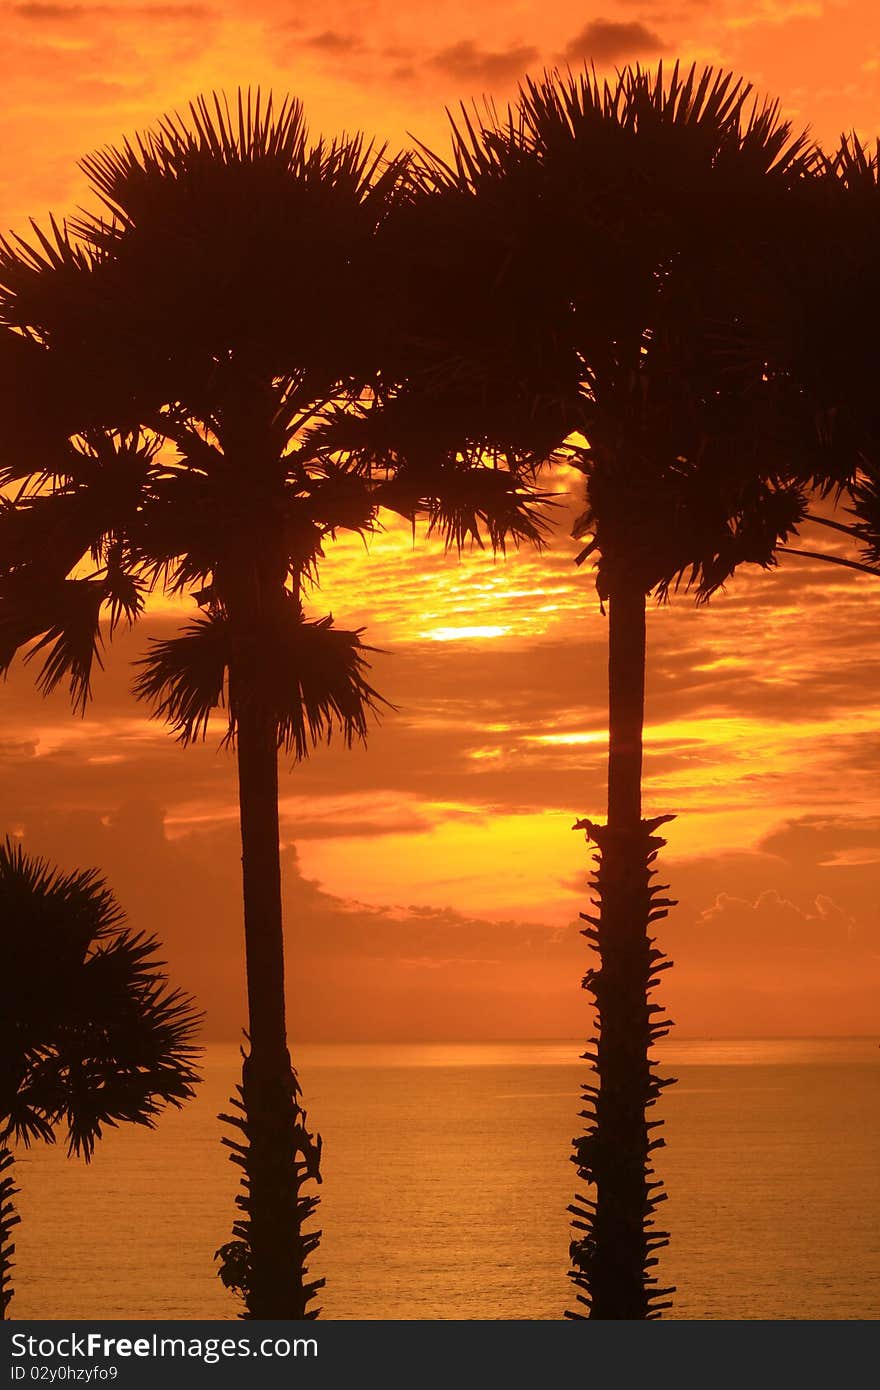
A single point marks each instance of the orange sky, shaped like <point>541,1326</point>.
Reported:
<point>432,881</point>
<point>76,75</point>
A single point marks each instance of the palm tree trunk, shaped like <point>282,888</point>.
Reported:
<point>280,1155</point>
<point>261,880</point>
<point>8,1219</point>
<point>612,1259</point>
<point>626,706</point>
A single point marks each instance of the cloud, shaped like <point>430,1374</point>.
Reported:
<point>333,42</point>
<point>39,13</point>
<point>354,970</point>
<point>423,817</point>
<point>467,62</point>
<point>827,842</point>
<point>48,13</point>
<point>176,12</point>
<point>772,926</point>
<point>607,41</point>
<point>463,801</point>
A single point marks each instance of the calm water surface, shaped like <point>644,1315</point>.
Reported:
<point>446,1181</point>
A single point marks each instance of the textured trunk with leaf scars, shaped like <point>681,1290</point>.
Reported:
<point>267,1262</point>
<point>8,1219</point>
<point>615,1250</point>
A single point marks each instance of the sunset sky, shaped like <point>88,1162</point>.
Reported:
<point>432,881</point>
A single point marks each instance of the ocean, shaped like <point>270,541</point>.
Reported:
<point>446,1182</point>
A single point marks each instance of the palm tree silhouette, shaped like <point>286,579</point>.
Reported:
<point>90,1034</point>
<point>654,189</point>
<point>630,213</point>
<point>232,382</point>
<point>206,358</point>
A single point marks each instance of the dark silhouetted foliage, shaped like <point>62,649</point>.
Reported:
<point>91,1035</point>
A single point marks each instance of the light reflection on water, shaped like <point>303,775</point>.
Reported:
<point>446,1179</point>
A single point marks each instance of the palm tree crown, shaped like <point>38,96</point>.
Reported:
<point>216,354</point>
<point>662,198</point>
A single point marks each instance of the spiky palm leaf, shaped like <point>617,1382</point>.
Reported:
<point>67,558</point>
<point>213,217</point>
<point>60,618</point>
<point>464,503</point>
<point>864,495</point>
<point>38,411</point>
<point>91,1033</point>
<point>420,459</point>
<point>476,325</point>
<point>708,533</point>
<point>308,675</point>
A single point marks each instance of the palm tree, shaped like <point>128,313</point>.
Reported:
<point>218,312</point>
<point>222,327</point>
<point>90,1035</point>
<point>622,220</point>
<point>659,193</point>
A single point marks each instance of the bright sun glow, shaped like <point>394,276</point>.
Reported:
<point>460,634</point>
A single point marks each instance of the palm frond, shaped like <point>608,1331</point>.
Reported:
<point>77,907</point>
<point>339,497</point>
<point>856,165</point>
<point>865,509</point>
<point>41,279</point>
<point>184,678</point>
<point>690,117</point>
<point>136,1049</point>
<point>123,592</point>
<point>318,686</point>
<point>51,531</point>
<point>664,523</point>
<point>464,502</point>
<point>309,676</point>
<point>37,412</point>
<point>61,619</point>
<point>208,137</point>
<point>209,211</point>
<point>92,1035</point>
<point>56,292</point>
